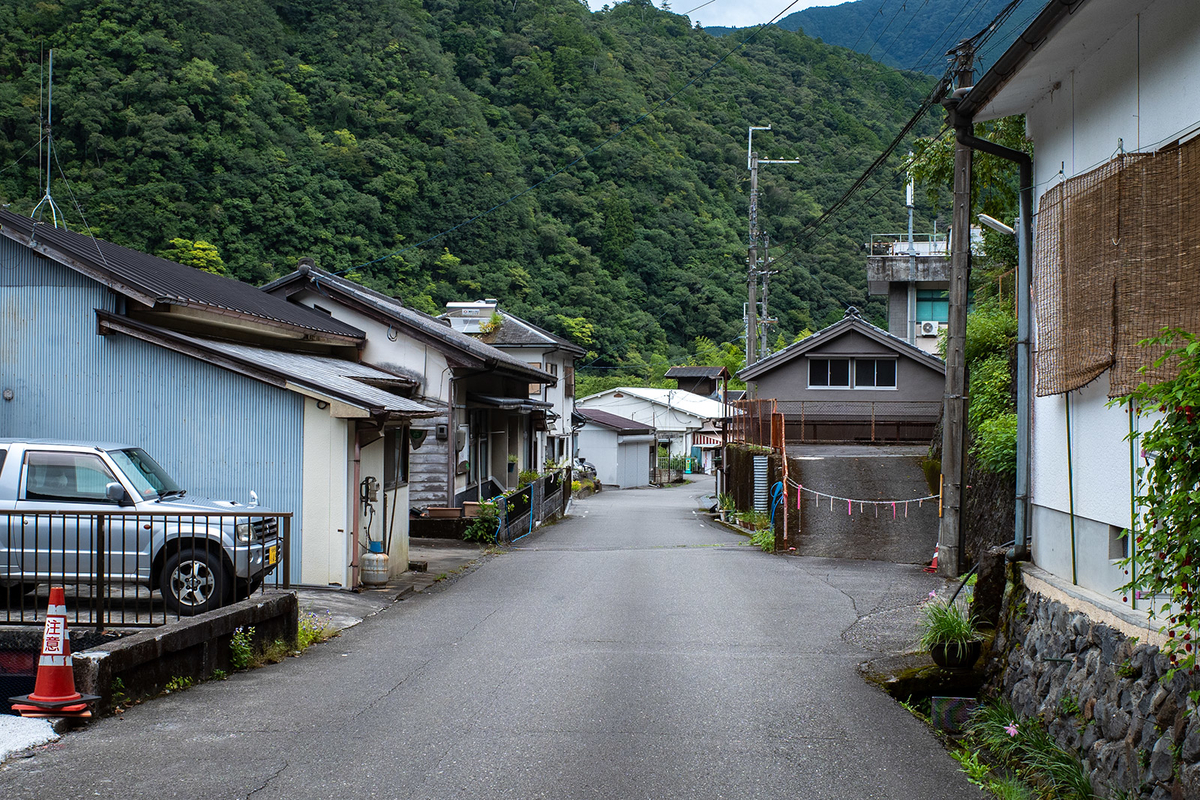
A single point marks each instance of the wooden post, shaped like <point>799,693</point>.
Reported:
<point>950,532</point>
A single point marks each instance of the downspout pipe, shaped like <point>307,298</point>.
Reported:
<point>1020,550</point>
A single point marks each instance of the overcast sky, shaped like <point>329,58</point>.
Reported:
<point>733,13</point>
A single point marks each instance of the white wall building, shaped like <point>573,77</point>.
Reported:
<point>621,449</point>
<point>682,419</point>
<point>541,350</point>
<point>1110,84</point>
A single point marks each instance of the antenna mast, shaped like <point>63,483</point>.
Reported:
<point>47,200</point>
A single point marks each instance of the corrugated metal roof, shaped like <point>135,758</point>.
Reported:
<point>679,399</point>
<point>150,279</point>
<point>431,326</point>
<point>324,375</point>
<point>619,424</point>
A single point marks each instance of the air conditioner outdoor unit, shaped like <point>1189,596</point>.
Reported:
<point>928,328</point>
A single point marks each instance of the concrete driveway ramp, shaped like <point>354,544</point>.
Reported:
<point>871,529</point>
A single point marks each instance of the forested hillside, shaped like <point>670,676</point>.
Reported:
<point>907,34</point>
<point>349,131</point>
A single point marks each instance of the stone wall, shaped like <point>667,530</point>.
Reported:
<point>1101,692</point>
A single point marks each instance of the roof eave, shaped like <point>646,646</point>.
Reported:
<point>108,323</point>
<point>1045,25</point>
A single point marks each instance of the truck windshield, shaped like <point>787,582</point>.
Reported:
<point>144,473</point>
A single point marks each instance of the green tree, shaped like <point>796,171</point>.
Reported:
<point>199,254</point>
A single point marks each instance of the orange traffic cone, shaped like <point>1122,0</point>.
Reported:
<point>54,692</point>
<point>933,566</point>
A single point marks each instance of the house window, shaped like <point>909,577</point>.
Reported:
<point>569,380</point>
<point>874,373</point>
<point>535,388</point>
<point>395,458</point>
<point>867,373</point>
<point>831,372</point>
<point>933,305</point>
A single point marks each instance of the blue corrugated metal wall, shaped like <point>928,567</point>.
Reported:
<point>218,433</point>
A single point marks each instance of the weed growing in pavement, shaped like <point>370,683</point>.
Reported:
<point>764,539</point>
<point>117,695</point>
<point>179,683</point>
<point>311,629</point>
<point>219,674</point>
<point>241,648</point>
<point>977,772</point>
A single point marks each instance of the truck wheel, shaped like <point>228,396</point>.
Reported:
<point>193,582</point>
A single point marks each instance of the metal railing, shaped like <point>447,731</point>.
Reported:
<point>521,510</point>
<point>896,244</point>
<point>137,569</point>
<point>755,422</point>
<point>859,420</point>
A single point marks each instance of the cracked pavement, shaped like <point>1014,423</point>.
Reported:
<point>634,650</point>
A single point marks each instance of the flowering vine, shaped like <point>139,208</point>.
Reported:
<point>1166,558</point>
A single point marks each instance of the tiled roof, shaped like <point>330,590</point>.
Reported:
<point>149,279</point>
<point>697,372</point>
<point>851,322</point>
<point>516,332</point>
<point>321,281</point>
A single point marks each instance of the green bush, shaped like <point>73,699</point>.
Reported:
<point>527,476</point>
<point>991,389</point>
<point>991,331</point>
<point>995,445</point>
<point>483,528</point>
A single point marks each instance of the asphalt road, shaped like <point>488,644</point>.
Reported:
<point>631,651</point>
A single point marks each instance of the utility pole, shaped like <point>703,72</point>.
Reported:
<point>766,319</point>
<point>911,332</point>
<point>954,415</point>
<point>752,272</point>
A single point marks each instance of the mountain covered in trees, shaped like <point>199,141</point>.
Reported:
<point>906,34</point>
<point>458,149</point>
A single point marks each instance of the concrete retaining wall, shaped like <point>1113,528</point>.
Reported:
<point>192,647</point>
<point>903,535</point>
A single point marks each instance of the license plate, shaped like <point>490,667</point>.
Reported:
<point>272,555</point>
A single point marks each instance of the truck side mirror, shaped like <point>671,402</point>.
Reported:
<point>116,493</point>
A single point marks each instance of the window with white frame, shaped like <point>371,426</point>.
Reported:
<point>852,373</point>
<point>833,373</point>
<point>875,373</point>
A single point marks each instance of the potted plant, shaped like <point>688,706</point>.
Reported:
<point>512,462</point>
<point>950,634</point>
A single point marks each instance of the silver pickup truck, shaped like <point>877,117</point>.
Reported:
<point>54,497</point>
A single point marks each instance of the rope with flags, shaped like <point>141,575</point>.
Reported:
<point>820,497</point>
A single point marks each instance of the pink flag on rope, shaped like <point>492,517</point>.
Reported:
<point>893,510</point>
<point>849,505</point>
